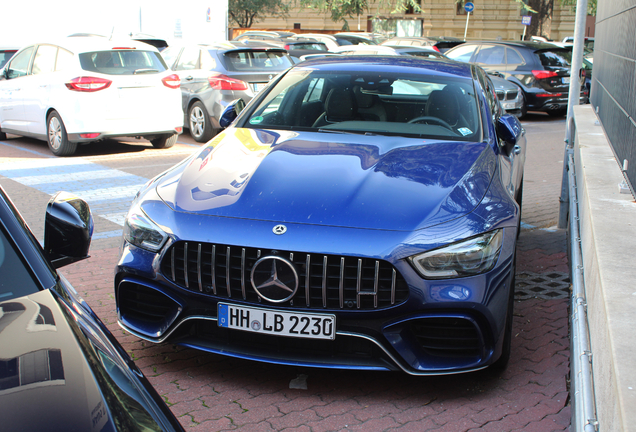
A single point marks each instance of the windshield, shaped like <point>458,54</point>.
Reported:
<point>561,58</point>
<point>122,62</point>
<point>384,103</point>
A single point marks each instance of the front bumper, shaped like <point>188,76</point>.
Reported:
<point>439,327</point>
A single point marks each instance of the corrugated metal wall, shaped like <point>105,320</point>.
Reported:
<point>614,78</point>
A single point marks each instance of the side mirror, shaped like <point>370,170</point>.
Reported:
<point>68,228</point>
<point>509,131</point>
<point>231,112</point>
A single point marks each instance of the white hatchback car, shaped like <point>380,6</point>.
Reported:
<point>87,89</point>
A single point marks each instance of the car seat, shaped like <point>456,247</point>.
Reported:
<point>340,106</point>
<point>369,106</point>
<point>444,105</point>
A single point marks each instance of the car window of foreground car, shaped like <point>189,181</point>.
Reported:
<point>122,62</point>
<point>16,280</point>
<point>385,103</point>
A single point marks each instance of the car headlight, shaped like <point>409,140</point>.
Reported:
<point>141,231</point>
<point>466,258</point>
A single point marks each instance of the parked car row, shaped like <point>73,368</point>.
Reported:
<point>95,88</point>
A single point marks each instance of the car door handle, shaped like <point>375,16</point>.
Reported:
<point>517,149</point>
<point>189,78</point>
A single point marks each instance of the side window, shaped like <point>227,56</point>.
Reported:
<point>513,57</point>
<point>170,56</point>
<point>19,66</point>
<point>64,59</point>
<point>491,55</point>
<point>189,59</point>
<point>463,53</point>
<point>315,90</point>
<point>44,61</point>
<point>489,92</point>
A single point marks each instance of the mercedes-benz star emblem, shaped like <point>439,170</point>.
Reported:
<point>274,279</point>
<point>280,229</point>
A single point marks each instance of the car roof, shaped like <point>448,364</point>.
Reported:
<point>520,44</point>
<point>230,45</point>
<point>78,44</point>
<point>406,64</point>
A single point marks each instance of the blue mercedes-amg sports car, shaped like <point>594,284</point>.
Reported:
<point>359,213</point>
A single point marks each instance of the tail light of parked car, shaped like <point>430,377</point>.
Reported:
<point>88,84</point>
<point>172,81</point>
<point>543,74</point>
<point>224,82</point>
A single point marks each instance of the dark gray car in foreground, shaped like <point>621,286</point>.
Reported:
<point>214,75</point>
<point>60,367</point>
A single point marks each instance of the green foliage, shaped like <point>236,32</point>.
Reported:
<point>247,12</point>
<point>591,6</point>
<point>339,10</point>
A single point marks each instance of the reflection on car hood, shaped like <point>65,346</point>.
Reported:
<point>53,379</point>
<point>336,179</point>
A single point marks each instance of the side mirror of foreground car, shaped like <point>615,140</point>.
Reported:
<point>231,112</point>
<point>509,131</point>
<point>68,228</point>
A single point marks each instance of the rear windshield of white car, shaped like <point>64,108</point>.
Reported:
<point>122,62</point>
<point>238,61</point>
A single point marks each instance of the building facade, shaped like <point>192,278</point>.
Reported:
<point>490,19</point>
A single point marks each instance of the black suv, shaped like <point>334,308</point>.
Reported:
<point>541,70</point>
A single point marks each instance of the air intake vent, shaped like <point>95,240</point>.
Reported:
<point>448,337</point>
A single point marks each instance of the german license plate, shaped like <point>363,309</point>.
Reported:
<point>275,322</point>
<point>259,86</point>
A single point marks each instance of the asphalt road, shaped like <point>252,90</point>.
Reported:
<point>214,393</point>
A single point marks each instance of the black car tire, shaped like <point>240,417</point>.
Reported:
<point>524,108</point>
<point>3,136</point>
<point>57,137</point>
<point>199,123</point>
<point>164,141</point>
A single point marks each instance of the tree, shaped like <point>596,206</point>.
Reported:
<point>247,12</point>
<point>591,5</point>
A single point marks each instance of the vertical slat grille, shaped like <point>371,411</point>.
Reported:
<point>325,281</point>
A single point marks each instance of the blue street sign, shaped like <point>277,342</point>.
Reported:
<point>525,20</point>
<point>469,7</point>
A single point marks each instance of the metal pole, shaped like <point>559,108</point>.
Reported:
<point>573,99</point>
<point>524,33</point>
<point>466,29</point>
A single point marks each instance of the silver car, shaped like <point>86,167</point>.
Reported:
<point>214,75</point>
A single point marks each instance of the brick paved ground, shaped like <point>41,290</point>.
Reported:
<point>214,393</point>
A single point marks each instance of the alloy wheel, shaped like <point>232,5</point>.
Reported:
<point>55,133</point>
<point>197,121</point>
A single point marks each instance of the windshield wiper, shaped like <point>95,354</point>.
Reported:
<point>347,132</point>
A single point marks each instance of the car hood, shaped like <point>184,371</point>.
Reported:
<point>335,179</point>
<point>57,376</point>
